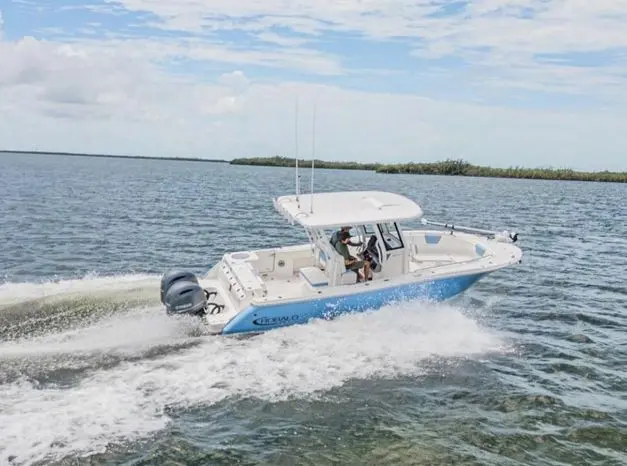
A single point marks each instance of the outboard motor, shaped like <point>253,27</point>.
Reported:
<point>173,276</point>
<point>184,297</point>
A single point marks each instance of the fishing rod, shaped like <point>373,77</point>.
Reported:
<point>500,236</point>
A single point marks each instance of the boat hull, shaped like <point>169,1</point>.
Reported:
<point>262,318</point>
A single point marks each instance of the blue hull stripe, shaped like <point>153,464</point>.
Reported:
<point>262,318</point>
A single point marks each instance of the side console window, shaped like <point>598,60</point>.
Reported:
<point>391,236</point>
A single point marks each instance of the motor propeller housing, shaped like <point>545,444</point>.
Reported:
<point>185,297</point>
<point>173,276</point>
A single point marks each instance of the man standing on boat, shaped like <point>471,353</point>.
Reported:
<point>350,262</point>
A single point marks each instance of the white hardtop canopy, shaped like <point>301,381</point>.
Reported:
<point>336,209</point>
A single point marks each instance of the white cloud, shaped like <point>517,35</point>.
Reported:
<point>83,98</point>
<point>281,40</point>
<point>300,59</point>
<point>236,80</point>
<point>498,23</point>
<point>86,82</point>
<point>118,94</point>
<point>201,50</point>
<point>497,37</point>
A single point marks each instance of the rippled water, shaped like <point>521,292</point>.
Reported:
<point>527,367</point>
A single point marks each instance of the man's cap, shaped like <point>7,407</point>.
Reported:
<point>344,235</point>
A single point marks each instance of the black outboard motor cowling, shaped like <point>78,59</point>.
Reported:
<point>185,297</point>
<point>173,276</point>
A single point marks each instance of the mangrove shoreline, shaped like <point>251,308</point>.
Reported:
<point>447,167</point>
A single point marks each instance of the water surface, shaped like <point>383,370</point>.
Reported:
<point>527,367</point>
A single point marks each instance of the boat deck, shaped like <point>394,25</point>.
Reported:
<point>277,287</point>
<point>428,262</point>
<point>292,287</point>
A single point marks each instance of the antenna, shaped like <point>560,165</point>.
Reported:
<point>296,149</point>
<point>313,156</point>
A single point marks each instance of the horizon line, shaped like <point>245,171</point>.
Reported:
<point>229,161</point>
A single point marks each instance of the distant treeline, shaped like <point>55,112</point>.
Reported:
<point>290,162</point>
<point>111,156</point>
<point>446,167</point>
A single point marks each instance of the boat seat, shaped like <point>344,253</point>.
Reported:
<point>314,276</point>
<point>346,276</point>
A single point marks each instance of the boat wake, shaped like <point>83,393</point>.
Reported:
<point>121,376</point>
<point>28,309</point>
<point>15,293</point>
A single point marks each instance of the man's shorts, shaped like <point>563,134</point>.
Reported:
<point>354,265</point>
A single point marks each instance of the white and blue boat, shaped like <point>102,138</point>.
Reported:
<point>258,290</point>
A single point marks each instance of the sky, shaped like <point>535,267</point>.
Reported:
<point>534,83</point>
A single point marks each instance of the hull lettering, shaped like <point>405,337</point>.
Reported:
<point>279,320</point>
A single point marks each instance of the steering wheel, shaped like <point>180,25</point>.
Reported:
<point>361,248</point>
<point>369,247</point>
<point>371,243</point>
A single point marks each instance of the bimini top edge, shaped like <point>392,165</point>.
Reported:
<point>335,209</point>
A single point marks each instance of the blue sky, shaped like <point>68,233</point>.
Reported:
<point>497,82</point>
